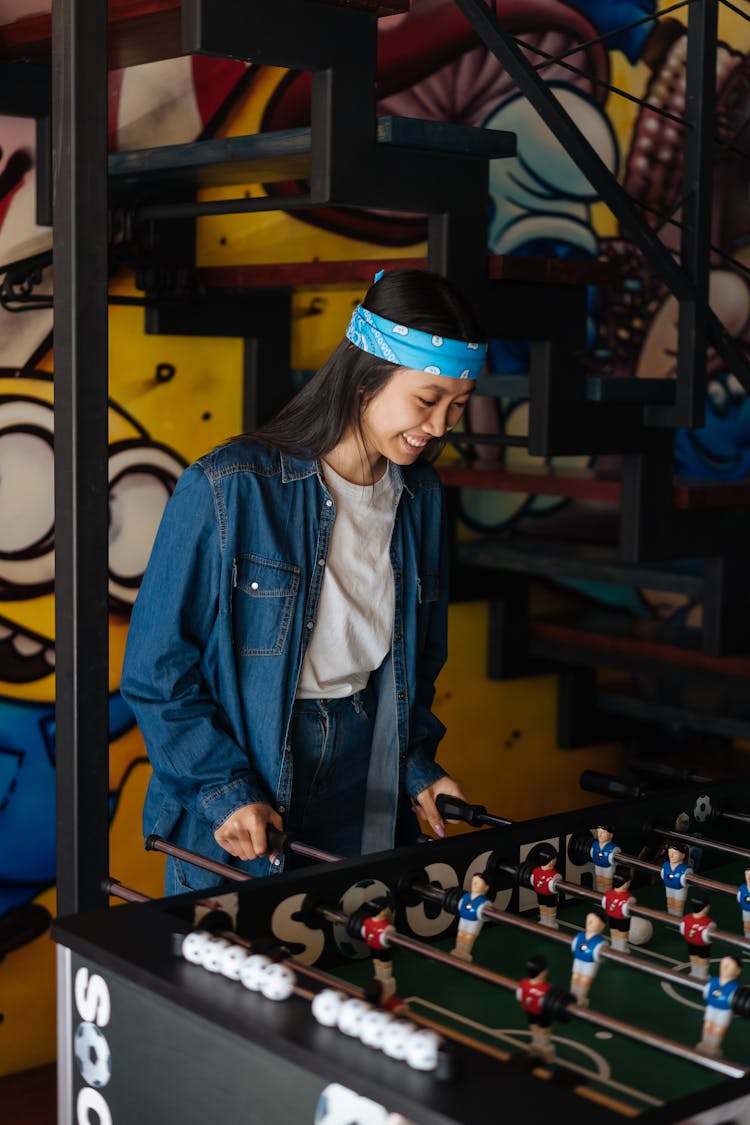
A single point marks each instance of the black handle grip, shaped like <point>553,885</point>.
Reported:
<point>594,782</point>
<point>453,808</point>
<point>278,841</point>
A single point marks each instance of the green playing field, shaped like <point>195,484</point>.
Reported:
<point>625,1070</point>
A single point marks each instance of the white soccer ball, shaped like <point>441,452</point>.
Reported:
<point>232,960</point>
<point>640,931</point>
<point>372,1028</point>
<point>702,810</point>
<point>251,973</point>
<point>396,1039</point>
<point>326,1006</point>
<point>422,1049</point>
<point>93,1055</point>
<point>351,1014</point>
<point>277,981</point>
<point>193,945</point>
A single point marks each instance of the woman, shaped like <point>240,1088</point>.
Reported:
<point>285,642</point>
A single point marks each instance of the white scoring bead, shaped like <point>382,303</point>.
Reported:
<point>192,946</point>
<point>232,960</point>
<point>252,971</point>
<point>326,1006</point>
<point>422,1049</point>
<point>213,951</point>
<point>351,1014</point>
<point>277,982</point>
<point>372,1028</point>
<point>396,1039</point>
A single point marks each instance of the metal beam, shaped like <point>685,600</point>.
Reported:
<point>79,82</point>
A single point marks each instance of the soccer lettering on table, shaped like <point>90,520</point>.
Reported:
<point>719,994</point>
<point>673,874</point>
<point>470,919</point>
<point>697,929</point>
<point>544,879</point>
<point>604,855</point>
<point>587,950</point>
<point>617,903</point>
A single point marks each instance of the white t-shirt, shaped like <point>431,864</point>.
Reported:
<point>353,630</point>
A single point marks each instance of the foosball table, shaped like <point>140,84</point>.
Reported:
<point>581,967</point>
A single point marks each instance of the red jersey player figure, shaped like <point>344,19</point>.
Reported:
<point>697,928</point>
<point>604,855</point>
<point>719,994</point>
<point>470,920</point>
<point>544,879</point>
<point>376,930</point>
<point>587,949</point>
<point>530,995</point>
<point>617,904</point>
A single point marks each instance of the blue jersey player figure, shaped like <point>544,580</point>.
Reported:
<point>470,920</point>
<point>673,875</point>
<point>603,853</point>
<point>587,947</point>
<point>719,994</point>
<point>743,898</point>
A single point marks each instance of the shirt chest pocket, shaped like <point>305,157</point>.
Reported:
<point>428,589</point>
<point>262,604</point>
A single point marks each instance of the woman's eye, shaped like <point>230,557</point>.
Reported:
<point>426,401</point>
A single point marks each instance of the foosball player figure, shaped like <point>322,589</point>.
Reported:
<point>587,950</point>
<point>743,898</point>
<point>604,854</point>
<point>470,921</point>
<point>375,995</point>
<point>530,994</point>
<point>544,879</point>
<point>718,994</point>
<point>375,931</point>
<point>696,927</point>
<point>673,874</point>
<point>617,904</point>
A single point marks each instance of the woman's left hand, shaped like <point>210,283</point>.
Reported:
<point>425,806</point>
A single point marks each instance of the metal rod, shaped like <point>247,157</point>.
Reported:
<point>701,841</point>
<point>698,880</point>
<point>743,818</point>
<point>156,844</point>
<point>111,886</point>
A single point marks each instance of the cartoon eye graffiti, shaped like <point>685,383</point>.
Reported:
<point>142,477</point>
<point>27,498</point>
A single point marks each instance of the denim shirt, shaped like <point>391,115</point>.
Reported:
<point>219,631</point>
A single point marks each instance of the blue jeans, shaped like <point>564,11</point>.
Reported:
<point>331,741</point>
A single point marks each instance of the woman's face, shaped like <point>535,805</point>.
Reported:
<point>409,410</point>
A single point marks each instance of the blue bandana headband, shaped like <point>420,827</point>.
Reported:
<point>408,347</point>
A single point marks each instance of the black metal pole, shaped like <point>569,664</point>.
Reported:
<point>79,106</point>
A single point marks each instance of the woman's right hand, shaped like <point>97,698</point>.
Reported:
<point>243,834</point>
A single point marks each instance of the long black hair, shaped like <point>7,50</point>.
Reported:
<point>330,405</point>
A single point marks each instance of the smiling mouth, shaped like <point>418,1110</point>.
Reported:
<point>23,656</point>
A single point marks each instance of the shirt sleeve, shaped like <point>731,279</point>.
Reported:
<point>175,615</point>
<point>426,729</point>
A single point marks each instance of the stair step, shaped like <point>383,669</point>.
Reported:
<point>284,154</point>
<point>140,31</point>
<point>555,559</point>
<point>644,647</point>
<point>630,705</point>
<point>500,267</point>
<point>589,484</point>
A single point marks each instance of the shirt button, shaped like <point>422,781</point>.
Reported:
<point>253,585</point>
<point>309,624</point>
<point>401,695</point>
<point>282,808</point>
<point>397,637</point>
<point>321,562</point>
<point>329,503</point>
